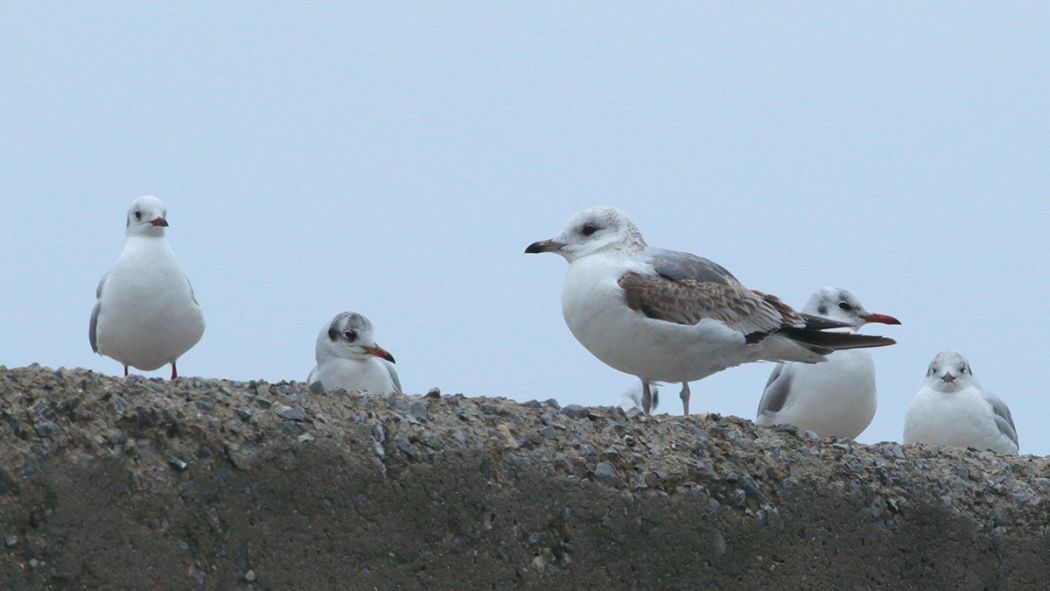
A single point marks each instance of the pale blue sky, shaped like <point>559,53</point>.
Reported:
<point>396,159</point>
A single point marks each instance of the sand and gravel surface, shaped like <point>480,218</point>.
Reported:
<point>109,483</point>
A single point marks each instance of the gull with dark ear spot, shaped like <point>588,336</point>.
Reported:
<point>834,398</point>
<point>146,314</point>
<point>952,409</point>
<point>672,316</point>
<point>349,358</point>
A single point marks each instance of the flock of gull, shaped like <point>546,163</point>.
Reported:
<point>660,315</point>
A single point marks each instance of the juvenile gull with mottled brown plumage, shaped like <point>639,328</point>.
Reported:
<point>672,316</point>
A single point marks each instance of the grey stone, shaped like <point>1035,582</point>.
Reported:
<point>402,443</point>
<point>574,411</point>
<point>606,474</point>
<point>7,486</point>
<point>290,413</point>
<point>418,411</point>
<point>47,429</point>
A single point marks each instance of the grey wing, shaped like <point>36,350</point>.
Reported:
<point>677,266</point>
<point>777,392</point>
<point>93,325</point>
<point>393,376</point>
<point>193,296</point>
<point>1003,419</point>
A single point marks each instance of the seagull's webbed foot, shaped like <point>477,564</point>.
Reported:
<point>174,372</point>
<point>684,395</point>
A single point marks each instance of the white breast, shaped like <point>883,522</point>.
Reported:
<point>595,310</point>
<point>956,419</point>
<point>833,398</point>
<point>369,375</point>
<point>147,316</point>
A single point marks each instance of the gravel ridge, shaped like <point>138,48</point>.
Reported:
<point>215,484</point>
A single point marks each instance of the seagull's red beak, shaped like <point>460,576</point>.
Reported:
<point>880,318</point>
<point>380,352</point>
<point>159,221</point>
<point>543,246</point>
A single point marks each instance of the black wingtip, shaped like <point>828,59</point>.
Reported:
<point>836,340</point>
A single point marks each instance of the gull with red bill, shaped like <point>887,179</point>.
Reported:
<point>146,314</point>
<point>349,358</point>
<point>668,316</point>
<point>834,398</point>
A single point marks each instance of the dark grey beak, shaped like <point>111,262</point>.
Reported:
<point>543,246</point>
<point>948,378</point>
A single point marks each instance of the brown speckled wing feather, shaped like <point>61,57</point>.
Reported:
<point>687,302</point>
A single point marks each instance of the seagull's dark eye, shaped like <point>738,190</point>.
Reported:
<point>933,370</point>
<point>351,335</point>
<point>964,369</point>
<point>588,229</point>
<point>138,215</point>
<point>845,307</point>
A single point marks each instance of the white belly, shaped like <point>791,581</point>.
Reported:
<point>833,398</point>
<point>595,311</point>
<point>147,316</point>
<point>368,375</point>
<point>955,419</point>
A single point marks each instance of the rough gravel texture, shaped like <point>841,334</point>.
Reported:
<point>207,484</point>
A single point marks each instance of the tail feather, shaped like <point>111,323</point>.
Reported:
<point>820,323</point>
<point>825,342</point>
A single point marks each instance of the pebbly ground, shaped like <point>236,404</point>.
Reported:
<point>211,484</point>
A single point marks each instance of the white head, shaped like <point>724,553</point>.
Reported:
<point>348,335</point>
<point>840,304</point>
<point>147,217</point>
<point>950,372</point>
<point>594,230</point>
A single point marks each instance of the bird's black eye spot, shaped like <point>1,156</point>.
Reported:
<point>588,229</point>
<point>933,370</point>
<point>351,335</point>
<point>138,215</point>
<point>964,369</point>
<point>845,307</point>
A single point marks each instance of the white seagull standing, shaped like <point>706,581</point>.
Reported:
<point>349,358</point>
<point>952,409</point>
<point>836,397</point>
<point>146,315</point>
<point>670,316</point>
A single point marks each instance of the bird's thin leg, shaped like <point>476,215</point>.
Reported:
<point>125,371</point>
<point>174,373</point>
<point>684,395</point>
<point>647,397</point>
